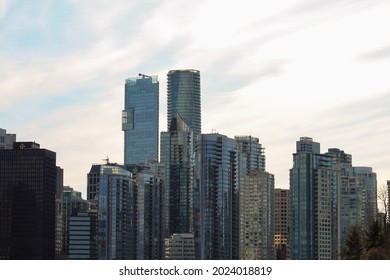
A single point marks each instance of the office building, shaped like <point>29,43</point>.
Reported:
<point>140,119</point>
<point>314,202</point>
<point>27,202</point>
<point>216,198</point>
<point>257,219</point>
<point>83,236</point>
<point>184,98</point>
<point>282,224</point>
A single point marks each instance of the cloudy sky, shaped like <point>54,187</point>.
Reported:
<point>277,70</point>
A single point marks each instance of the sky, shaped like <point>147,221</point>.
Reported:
<point>277,70</point>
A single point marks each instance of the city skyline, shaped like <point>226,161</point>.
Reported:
<point>276,71</point>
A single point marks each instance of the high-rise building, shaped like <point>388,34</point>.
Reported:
<point>368,179</point>
<point>251,154</point>
<point>116,215</point>
<point>282,223</point>
<point>177,157</point>
<point>27,202</point>
<point>148,193</point>
<point>6,140</point>
<point>314,202</point>
<point>352,201</point>
<point>257,219</point>
<point>71,204</point>
<point>216,198</point>
<point>184,98</point>
<point>140,119</point>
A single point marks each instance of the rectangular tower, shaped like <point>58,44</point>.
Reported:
<point>314,216</point>
<point>27,202</point>
<point>140,119</point>
<point>216,198</point>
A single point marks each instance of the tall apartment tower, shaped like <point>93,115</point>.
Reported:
<point>184,98</point>
<point>251,154</point>
<point>116,215</point>
<point>27,202</point>
<point>313,187</point>
<point>282,224</point>
<point>216,198</point>
<point>368,179</point>
<point>177,155</point>
<point>140,119</point>
<point>257,219</point>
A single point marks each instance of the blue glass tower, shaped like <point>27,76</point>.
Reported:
<point>216,198</point>
<point>140,119</point>
<point>184,98</point>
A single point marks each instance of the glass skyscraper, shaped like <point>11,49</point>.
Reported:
<point>177,156</point>
<point>140,119</point>
<point>184,98</point>
<point>216,198</point>
<point>314,188</point>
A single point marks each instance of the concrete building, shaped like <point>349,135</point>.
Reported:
<point>180,246</point>
<point>257,219</point>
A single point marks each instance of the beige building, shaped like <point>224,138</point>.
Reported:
<point>257,216</point>
<point>282,220</point>
<point>180,246</point>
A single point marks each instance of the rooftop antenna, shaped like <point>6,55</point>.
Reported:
<point>107,160</point>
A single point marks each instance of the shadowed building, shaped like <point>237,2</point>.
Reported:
<point>27,202</point>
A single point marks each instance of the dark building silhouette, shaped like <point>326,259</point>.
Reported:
<point>27,202</point>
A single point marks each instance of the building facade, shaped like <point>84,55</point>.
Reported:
<point>257,219</point>
<point>27,202</point>
<point>216,198</point>
<point>177,155</point>
<point>251,154</point>
<point>140,119</point>
<point>282,224</point>
<point>117,219</point>
<point>314,203</point>
<point>180,246</point>
<point>6,140</point>
<point>184,98</point>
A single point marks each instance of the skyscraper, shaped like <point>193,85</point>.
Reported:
<point>251,154</point>
<point>257,219</point>
<point>314,216</point>
<point>116,214</point>
<point>177,156</point>
<point>27,202</point>
<point>216,198</point>
<point>184,98</point>
<point>140,119</point>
